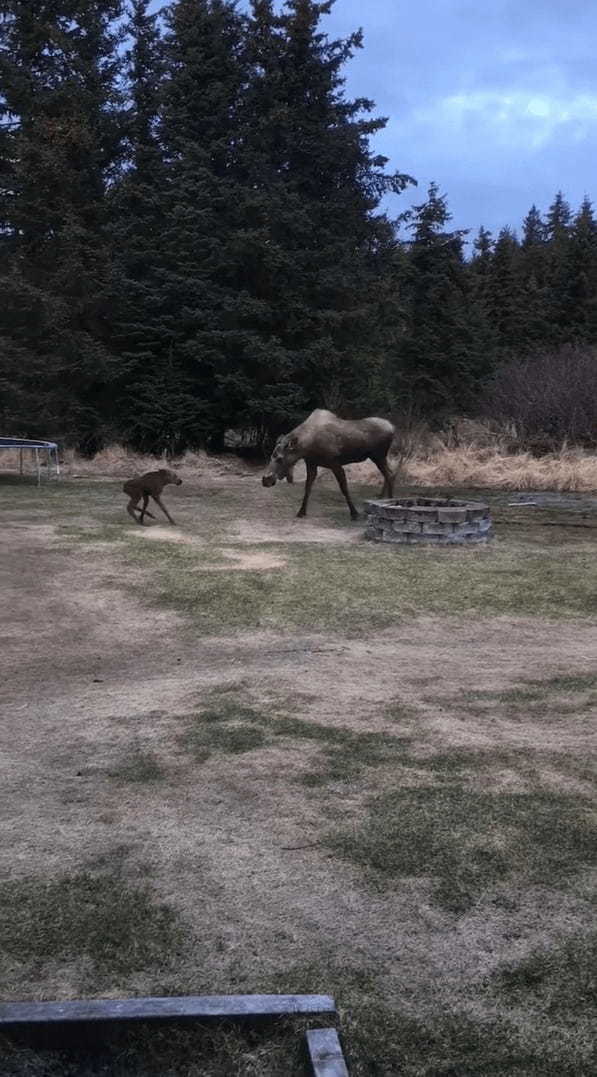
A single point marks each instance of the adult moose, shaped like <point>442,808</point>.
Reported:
<point>324,440</point>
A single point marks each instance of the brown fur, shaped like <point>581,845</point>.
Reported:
<point>324,440</point>
<point>149,485</point>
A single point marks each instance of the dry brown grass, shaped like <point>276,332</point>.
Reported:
<point>117,462</point>
<point>570,469</point>
<point>483,454</point>
<point>201,768</point>
<point>470,453</point>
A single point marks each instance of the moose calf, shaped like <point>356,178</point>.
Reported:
<point>146,486</point>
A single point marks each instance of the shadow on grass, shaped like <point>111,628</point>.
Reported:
<point>467,842</point>
<point>268,1050</point>
<point>561,982</point>
<point>558,697</point>
<point>119,929</point>
<point>230,726</point>
<point>383,1042</point>
<point>139,766</point>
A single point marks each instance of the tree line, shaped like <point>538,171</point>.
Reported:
<point>193,237</point>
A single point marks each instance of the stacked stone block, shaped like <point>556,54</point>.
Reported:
<point>428,521</point>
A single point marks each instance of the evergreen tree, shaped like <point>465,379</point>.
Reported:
<point>479,278</point>
<point>533,265</point>
<point>534,230</point>
<point>504,300</point>
<point>559,223</point>
<point>482,248</point>
<point>559,218</point>
<point>59,68</point>
<point>138,207</point>
<point>324,253</point>
<point>445,349</point>
<point>578,279</point>
<point>145,71</point>
<point>184,301</point>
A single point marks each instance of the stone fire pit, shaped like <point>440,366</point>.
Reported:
<point>428,521</point>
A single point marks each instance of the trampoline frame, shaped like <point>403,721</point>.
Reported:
<point>34,446</point>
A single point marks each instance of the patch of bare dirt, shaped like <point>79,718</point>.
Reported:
<point>236,560</point>
<point>258,561</point>
<point>157,533</point>
<point>39,532</point>
<point>308,530</point>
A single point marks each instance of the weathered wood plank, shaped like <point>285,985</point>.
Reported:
<point>198,1007</point>
<point>325,1053</point>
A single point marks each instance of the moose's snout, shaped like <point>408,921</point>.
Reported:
<point>269,480</point>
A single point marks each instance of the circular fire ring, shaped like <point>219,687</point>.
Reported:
<point>428,521</point>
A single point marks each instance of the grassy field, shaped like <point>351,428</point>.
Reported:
<point>250,753</point>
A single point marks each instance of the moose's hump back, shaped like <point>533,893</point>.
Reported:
<point>320,417</point>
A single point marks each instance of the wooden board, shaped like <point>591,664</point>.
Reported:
<point>325,1053</point>
<point>198,1007</point>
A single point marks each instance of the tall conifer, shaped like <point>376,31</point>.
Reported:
<point>59,69</point>
<point>444,351</point>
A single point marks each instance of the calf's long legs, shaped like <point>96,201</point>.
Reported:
<point>159,501</point>
<point>144,511</point>
<point>133,507</point>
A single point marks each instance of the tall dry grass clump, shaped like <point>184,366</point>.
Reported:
<point>118,462</point>
<point>468,453</point>
<point>484,454</point>
<point>570,469</point>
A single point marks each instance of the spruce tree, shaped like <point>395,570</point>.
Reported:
<point>558,221</point>
<point>504,301</point>
<point>534,229</point>
<point>59,68</point>
<point>138,206</point>
<point>578,279</point>
<point>183,330</point>
<point>482,251</point>
<point>479,277</point>
<point>444,351</point>
<point>533,273</point>
<point>323,282</point>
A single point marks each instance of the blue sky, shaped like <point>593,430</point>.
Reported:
<point>496,100</point>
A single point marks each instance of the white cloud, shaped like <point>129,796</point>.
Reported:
<point>512,118</point>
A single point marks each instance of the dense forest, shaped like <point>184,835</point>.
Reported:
<point>193,238</point>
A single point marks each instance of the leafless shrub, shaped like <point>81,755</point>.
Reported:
<point>549,399</point>
<point>414,438</point>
